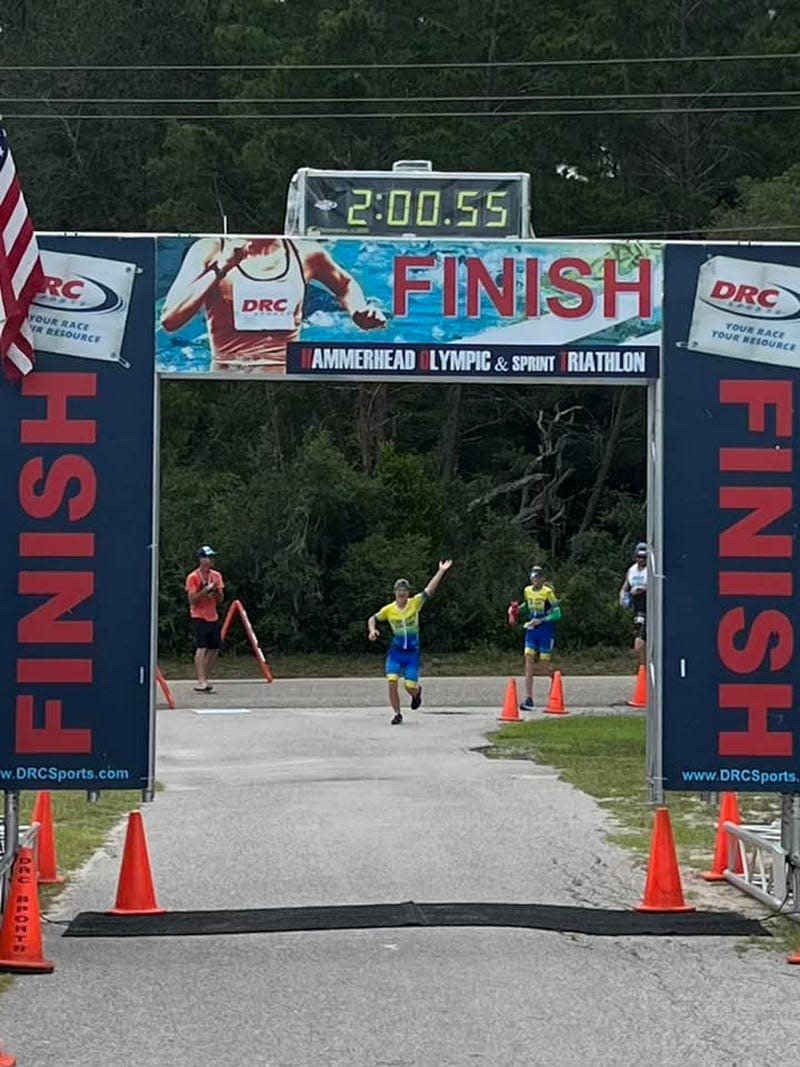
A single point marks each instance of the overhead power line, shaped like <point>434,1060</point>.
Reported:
<point>460,65</point>
<point>712,231</point>
<point>471,98</point>
<point>348,115</point>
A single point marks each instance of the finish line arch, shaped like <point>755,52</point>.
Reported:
<point>121,312</point>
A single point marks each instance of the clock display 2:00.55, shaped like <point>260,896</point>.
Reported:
<point>416,208</point>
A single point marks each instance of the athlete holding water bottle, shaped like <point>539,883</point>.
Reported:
<point>539,610</point>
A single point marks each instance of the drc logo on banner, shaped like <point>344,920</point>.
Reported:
<point>747,309</point>
<point>83,309</point>
<point>730,519</point>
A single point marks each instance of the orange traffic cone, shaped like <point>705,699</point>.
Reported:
<point>135,892</point>
<point>21,931</point>
<point>555,702</point>
<point>662,891</point>
<point>639,699</point>
<point>728,812</point>
<point>45,841</point>
<point>510,712</point>
<point>6,1060</point>
<point>794,958</point>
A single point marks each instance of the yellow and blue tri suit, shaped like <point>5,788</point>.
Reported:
<point>403,655</point>
<point>540,604</point>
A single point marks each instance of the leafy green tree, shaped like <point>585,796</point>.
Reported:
<point>767,210</point>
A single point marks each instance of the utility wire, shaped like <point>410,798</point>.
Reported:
<point>482,65</point>
<point>339,115</point>
<point>471,99</point>
<point>711,230</point>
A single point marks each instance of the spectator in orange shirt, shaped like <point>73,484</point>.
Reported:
<point>204,588</point>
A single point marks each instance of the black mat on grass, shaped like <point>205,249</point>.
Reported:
<point>596,921</point>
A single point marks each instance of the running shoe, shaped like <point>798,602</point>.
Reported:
<point>526,705</point>
<point>397,719</point>
<point>416,700</point>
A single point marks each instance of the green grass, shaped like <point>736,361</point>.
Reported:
<point>482,661</point>
<point>79,829</point>
<point>604,756</point>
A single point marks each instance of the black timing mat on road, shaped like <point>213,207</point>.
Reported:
<point>595,921</point>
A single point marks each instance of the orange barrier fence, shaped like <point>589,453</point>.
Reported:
<point>165,689</point>
<point>237,606</point>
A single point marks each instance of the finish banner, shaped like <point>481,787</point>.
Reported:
<point>77,440</point>
<point>254,306</point>
<point>731,656</point>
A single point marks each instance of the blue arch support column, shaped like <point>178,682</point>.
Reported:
<point>77,437</point>
<point>730,607</point>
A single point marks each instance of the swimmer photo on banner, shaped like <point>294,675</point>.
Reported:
<point>242,306</point>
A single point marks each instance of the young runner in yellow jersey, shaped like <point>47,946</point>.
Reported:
<point>403,655</point>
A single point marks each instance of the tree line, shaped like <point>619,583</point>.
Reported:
<point>318,496</point>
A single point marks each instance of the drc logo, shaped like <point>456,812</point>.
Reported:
<point>82,308</point>
<point>747,309</point>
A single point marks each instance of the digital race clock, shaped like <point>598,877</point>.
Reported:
<point>408,201</point>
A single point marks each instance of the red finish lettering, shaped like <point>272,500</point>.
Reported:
<point>63,545</point>
<point>765,504</point>
<point>53,671</point>
<point>52,737</point>
<point>756,459</point>
<point>65,591</point>
<point>45,503</point>
<point>502,296</point>
<point>560,280</point>
<point>757,739</point>
<point>770,632</point>
<point>450,288</point>
<point>755,583</point>
<point>532,288</point>
<point>56,428</point>
<point>403,285</point>
<point>612,286</point>
<point>757,396</point>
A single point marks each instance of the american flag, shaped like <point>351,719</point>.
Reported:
<point>21,275</point>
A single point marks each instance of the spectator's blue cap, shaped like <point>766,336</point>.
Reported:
<point>641,549</point>
<point>205,550</point>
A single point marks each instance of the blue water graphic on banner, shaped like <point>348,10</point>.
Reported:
<point>731,612</point>
<point>77,534</point>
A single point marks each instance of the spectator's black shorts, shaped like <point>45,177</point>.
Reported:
<point>205,633</point>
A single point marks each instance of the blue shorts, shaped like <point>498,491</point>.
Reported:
<point>539,639</point>
<point>405,662</point>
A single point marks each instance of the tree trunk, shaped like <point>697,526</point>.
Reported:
<point>618,410</point>
<point>450,443</point>
<point>373,404</point>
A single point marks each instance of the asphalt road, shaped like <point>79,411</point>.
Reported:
<point>300,793</point>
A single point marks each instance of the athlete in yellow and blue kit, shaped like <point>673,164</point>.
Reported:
<point>539,611</point>
<point>403,655</point>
